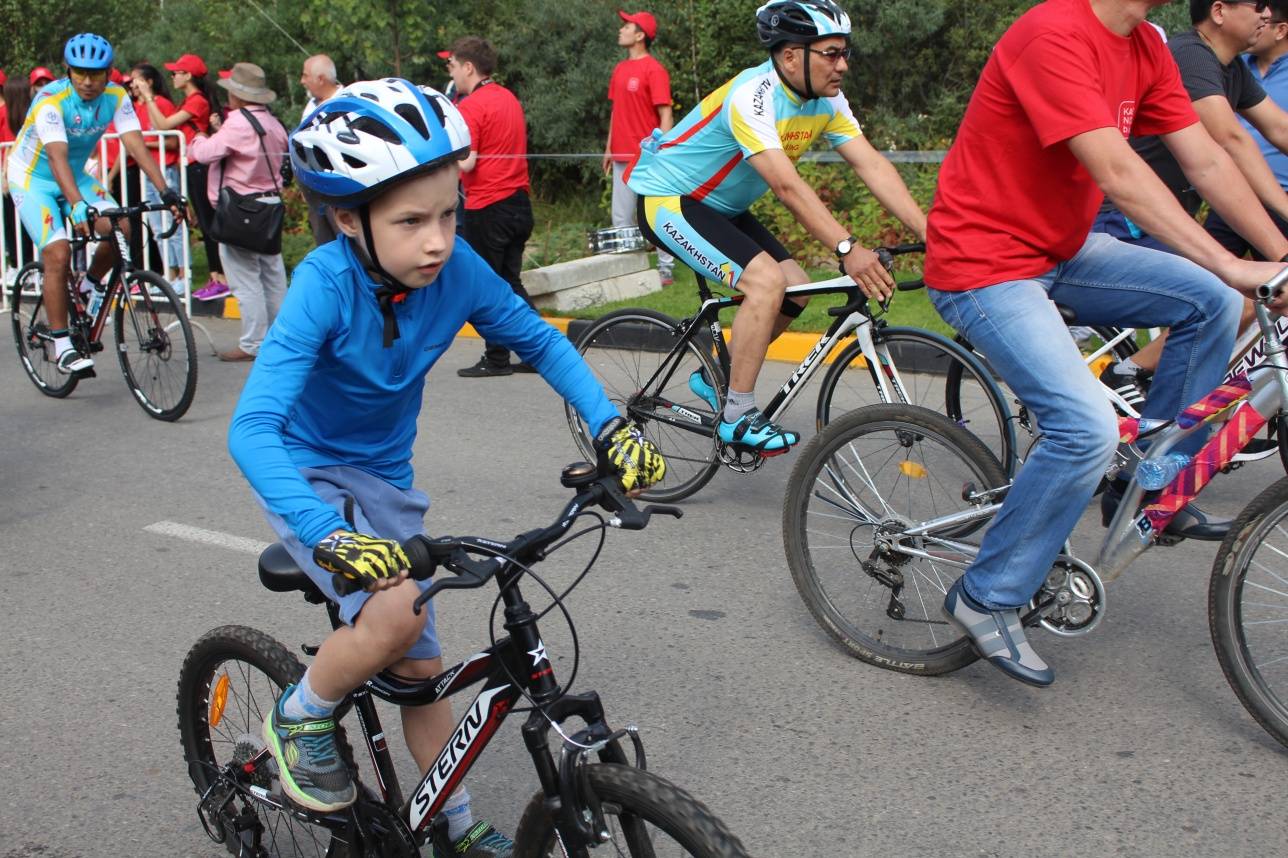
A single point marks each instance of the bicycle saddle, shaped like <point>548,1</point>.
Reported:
<point>279,572</point>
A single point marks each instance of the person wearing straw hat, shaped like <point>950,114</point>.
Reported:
<point>248,164</point>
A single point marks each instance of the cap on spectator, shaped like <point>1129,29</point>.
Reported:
<point>248,83</point>
<point>4,78</point>
<point>643,20</point>
<point>444,55</point>
<point>190,63</point>
<point>39,74</point>
<point>117,76</point>
<point>225,74</point>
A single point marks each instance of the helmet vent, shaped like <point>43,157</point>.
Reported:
<point>414,119</point>
<point>323,162</point>
<point>438,112</point>
<point>355,163</point>
<point>375,128</point>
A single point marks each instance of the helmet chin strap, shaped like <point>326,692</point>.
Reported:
<point>391,291</point>
<point>809,92</point>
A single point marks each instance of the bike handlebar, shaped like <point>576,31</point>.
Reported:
<point>596,486</point>
<point>1267,291</point>
<point>886,253</point>
<point>124,212</point>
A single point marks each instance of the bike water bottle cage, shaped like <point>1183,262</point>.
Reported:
<point>88,51</point>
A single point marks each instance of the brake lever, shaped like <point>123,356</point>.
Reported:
<point>469,573</point>
<point>633,518</point>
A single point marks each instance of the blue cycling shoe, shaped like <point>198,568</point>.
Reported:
<point>998,636</point>
<point>702,388</point>
<point>754,431</point>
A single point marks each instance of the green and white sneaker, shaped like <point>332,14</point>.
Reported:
<point>308,762</point>
<point>483,841</point>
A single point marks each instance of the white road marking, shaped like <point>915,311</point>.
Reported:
<point>210,537</point>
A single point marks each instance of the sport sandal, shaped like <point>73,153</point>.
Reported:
<point>997,636</point>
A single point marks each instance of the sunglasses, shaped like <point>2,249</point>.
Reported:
<point>834,55</point>
<point>91,75</point>
<point>1259,6</point>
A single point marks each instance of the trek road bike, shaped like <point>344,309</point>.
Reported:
<point>150,329</point>
<point>594,797</point>
<point>886,505</point>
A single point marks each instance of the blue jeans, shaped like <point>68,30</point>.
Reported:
<point>1017,327</point>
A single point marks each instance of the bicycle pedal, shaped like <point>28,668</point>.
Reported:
<point>86,373</point>
<point>1167,540</point>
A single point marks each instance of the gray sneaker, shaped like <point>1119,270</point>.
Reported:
<point>998,636</point>
<point>308,762</point>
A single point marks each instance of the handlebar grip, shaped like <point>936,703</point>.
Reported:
<point>911,285</point>
<point>344,586</point>
<point>423,563</point>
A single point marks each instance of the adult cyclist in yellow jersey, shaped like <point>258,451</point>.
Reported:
<point>47,176</point>
<point>697,182</point>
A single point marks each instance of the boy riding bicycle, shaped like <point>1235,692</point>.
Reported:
<point>697,182</point>
<point>48,182</point>
<point>328,415</point>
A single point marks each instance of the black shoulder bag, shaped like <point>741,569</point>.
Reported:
<point>246,220</point>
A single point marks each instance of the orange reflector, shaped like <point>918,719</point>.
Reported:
<point>912,469</point>
<point>218,697</point>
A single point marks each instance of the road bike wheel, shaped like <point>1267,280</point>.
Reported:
<point>645,815</point>
<point>229,682</point>
<point>937,374</point>
<point>623,350</point>
<point>31,333</point>
<point>863,479</point>
<point>1248,609</point>
<point>155,346</point>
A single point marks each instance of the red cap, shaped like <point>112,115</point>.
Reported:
<point>444,55</point>
<point>190,63</point>
<point>4,78</point>
<point>38,74</point>
<point>224,74</point>
<point>115,76</point>
<point>643,20</point>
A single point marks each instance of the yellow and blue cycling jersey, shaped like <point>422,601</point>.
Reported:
<point>704,157</point>
<point>59,115</point>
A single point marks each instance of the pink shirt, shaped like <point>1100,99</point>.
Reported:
<point>237,144</point>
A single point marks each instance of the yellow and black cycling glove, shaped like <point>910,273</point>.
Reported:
<point>360,559</point>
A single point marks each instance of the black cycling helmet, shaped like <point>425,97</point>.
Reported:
<point>800,22</point>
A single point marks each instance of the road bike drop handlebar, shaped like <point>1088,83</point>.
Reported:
<point>886,254</point>
<point>596,487</point>
<point>92,214</point>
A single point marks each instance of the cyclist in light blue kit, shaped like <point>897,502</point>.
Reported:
<point>48,182</point>
<point>329,412</point>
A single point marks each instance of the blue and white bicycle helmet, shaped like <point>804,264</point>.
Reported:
<point>372,134</point>
<point>800,22</point>
<point>88,51</point>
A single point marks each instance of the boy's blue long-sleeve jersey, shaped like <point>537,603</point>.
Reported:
<point>324,390</point>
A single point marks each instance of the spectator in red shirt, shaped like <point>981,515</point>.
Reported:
<point>640,91</point>
<point>498,213</point>
<point>198,112</point>
<point>1043,141</point>
<point>38,78</point>
<point>158,222</point>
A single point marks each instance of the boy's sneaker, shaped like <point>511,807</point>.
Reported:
<point>212,291</point>
<point>72,361</point>
<point>754,430</point>
<point>701,387</point>
<point>482,841</point>
<point>1130,387</point>
<point>308,762</point>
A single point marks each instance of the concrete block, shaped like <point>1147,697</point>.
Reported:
<point>631,285</point>
<point>579,272</point>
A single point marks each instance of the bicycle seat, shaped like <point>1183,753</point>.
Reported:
<point>1069,315</point>
<point>279,572</point>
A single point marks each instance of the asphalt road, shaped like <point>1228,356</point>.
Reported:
<point>691,629</point>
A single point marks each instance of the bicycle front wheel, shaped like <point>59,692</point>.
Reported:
<point>936,373</point>
<point>858,484</point>
<point>630,353</point>
<point>1248,609</point>
<point>155,346</point>
<point>31,333</point>
<point>646,816</point>
<point>229,682</point>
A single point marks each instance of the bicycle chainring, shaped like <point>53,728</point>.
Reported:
<point>1071,601</point>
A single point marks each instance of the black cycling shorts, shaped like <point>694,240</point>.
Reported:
<point>715,245</point>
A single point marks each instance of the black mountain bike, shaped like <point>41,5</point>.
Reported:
<point>643,360</point>
<point>593,796</point>
<point>153,337</point>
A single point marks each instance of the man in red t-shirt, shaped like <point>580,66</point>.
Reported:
<point>498,213</point>
<point>640,90</point>
<point>1044,139</point>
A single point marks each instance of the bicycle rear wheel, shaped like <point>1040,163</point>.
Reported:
<point>624,350</point>
<point>866,477</point>
<point>937,374</point>
<point>155,346</point>
<point>1248,609</point>
<point>229,682</point>
<point>647,817</point>
<point>31,333</point>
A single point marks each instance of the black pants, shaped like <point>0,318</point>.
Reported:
<point>498,233</point>
<point>205,212</point>
<point>143,249</point>
<point>11,236</point>
<point>1231,240</point>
